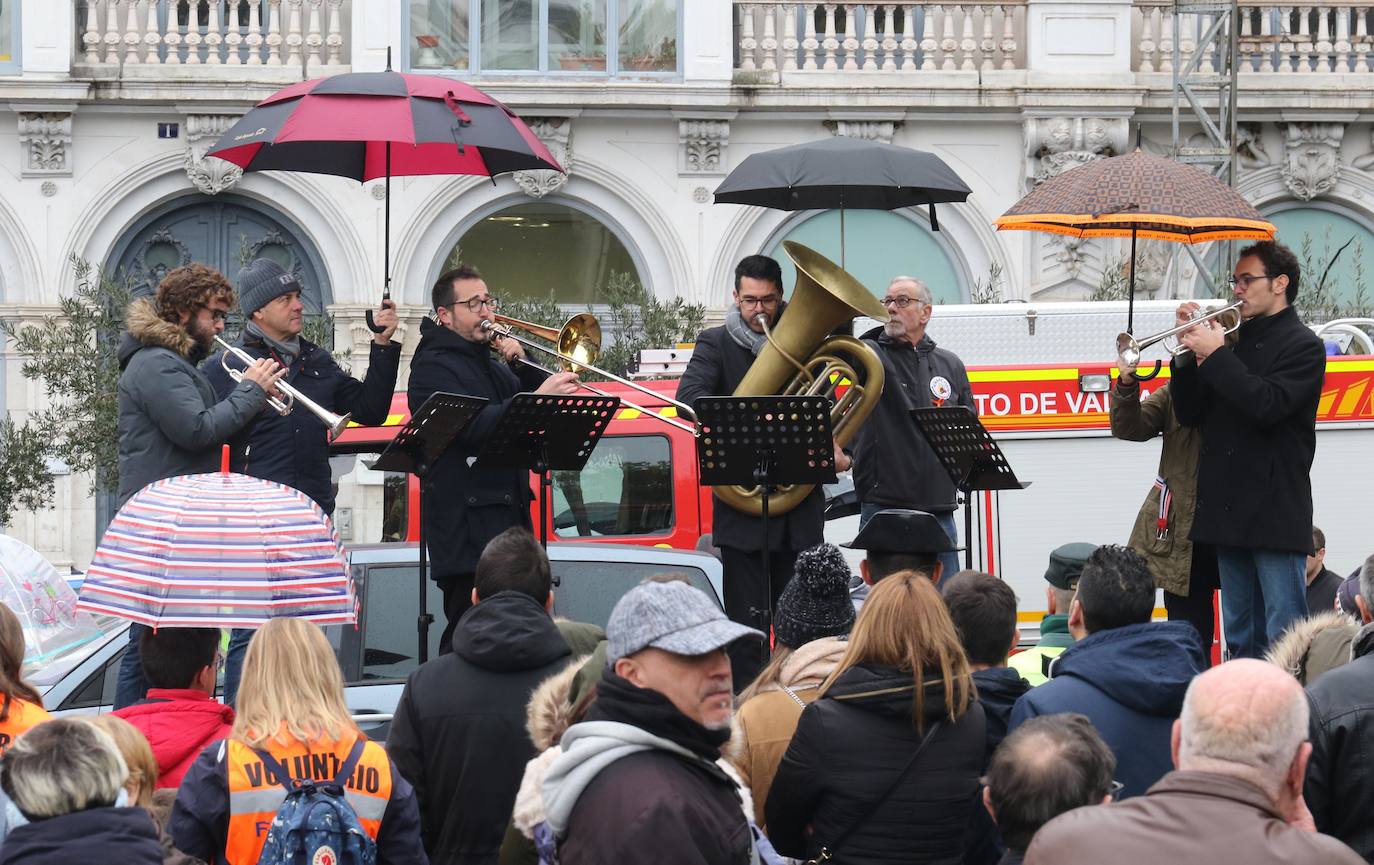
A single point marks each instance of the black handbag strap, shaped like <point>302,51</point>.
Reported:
<point>826,849</point>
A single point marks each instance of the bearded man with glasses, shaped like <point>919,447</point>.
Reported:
<point>720,360</point>
<point>463,506</point>
<point>1256,403</point>
<point>894,466</point>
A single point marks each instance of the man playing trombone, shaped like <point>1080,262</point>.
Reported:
<point>293,448</point>
<point>170,420</point>
<point>1257,405</point>
<point>464,506</point>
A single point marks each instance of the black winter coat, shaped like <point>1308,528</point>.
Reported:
<point>126,836</point>
<point>998,690</point>
<point>465,506</point>
<point>294,449</point>
<point>459,734</point>
<point>1340,788</point>
<point>717,367</point>
<point>849,745</point>
<point>894,466</point>
<point>1257,406</point>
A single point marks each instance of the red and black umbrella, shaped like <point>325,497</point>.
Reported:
<point>366,125</point>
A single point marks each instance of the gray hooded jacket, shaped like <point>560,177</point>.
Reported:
<point>169,420</point>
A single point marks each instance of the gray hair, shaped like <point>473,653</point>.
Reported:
<point>1256,737</point>
<point>62,766</point>
<point>922,290</point>
<point>1367,582</point>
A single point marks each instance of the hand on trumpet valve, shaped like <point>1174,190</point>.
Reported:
<point>560,384</point>
<point>1186,312</point>
<point>265,373</point>
<point>385,318</point>
<point>1204,337</point>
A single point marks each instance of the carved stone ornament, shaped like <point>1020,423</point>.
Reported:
<point>46,141</point>
<point>702,146</point>
<point>1250,150</point>
<point>209,174</point>
<point>1056,144</point>
<point>868,130</point>
<point>1312,161</point>
<point>556,133</point>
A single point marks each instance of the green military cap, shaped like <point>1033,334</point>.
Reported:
<point>1066,565</point>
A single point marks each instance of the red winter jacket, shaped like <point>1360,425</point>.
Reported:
<point>178,723</point>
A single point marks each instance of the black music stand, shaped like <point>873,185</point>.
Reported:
<point>415,449</point>
<point>969,454</point>
<point>543,433</point>
<point>765,441</point>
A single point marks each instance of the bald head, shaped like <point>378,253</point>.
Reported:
<point>1245,718</point>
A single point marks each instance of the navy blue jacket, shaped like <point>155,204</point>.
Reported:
<point>1130,683</point>
<point>294,449</point>
<point>998,690</point>
<point>465,506</point>
<point>123,835</point>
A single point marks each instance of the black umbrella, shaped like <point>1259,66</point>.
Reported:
<point>842,172</point>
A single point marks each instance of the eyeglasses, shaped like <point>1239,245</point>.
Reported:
<point>901,301</point>
<point>1115,788</point>
<point>218,314</point>
<point>475,304</point>
<point>751,302</point>
<point>1245,280</point>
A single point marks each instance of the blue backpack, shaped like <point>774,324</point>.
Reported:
<point>316,825</point>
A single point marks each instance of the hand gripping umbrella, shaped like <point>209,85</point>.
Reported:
<point>843,172</point>
<point>1138,195</point>
<point>366,125</point>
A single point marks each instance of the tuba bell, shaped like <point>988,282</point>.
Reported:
<point>825,297</point>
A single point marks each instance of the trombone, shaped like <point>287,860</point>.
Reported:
<point>335,423</point>
<point>1129,349</point>
<point>578,344</point>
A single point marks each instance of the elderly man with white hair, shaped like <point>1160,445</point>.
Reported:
<point>1240,753</point>
<point>1340,786</point>
<point>894,467</point>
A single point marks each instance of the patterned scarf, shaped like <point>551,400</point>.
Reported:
<point>743,335</point>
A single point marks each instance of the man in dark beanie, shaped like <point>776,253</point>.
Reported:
<point>293,449</point>
<point>812,623</point>
<point>171,422</point>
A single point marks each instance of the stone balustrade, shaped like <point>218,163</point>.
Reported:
<point>902,36</point>
<point>1302,39</point>
<point>269,39</point>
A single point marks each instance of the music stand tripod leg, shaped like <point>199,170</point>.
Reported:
<point>424,620</point>
<point>541,467</point>
<point>761,475</point>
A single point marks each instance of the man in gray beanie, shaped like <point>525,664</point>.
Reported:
<point>293,449</point>
<point>638,779</point>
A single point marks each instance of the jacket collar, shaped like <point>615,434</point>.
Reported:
<point>1261,324</point>
<point>1363,643</point>
<point>1054,632</point>
<point>879,335</point>
<point>1216,786</point>
<point>434,334</point>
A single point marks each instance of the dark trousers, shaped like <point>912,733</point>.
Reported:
<point>1197,607</point>
<point>747,601</point>
<point>457,592</point>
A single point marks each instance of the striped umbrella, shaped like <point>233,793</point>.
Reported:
<point>219,550</point>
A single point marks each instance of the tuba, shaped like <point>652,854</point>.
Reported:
<point>802,358</point>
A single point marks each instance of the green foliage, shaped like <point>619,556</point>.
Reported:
<point>1326,293</point>
<point>75,356</point>
<point>637,320</point>
<point>1114,282</point>
<point>990,291</point>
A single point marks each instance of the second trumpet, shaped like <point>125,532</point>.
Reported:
<point>334,422</point>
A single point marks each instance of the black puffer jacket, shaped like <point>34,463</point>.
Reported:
<point>1257,406</point>
<point>998,690</point>
<point>717,367</point>
<point>848,747</point>
<point>294,449</point>
<point>893,464</point>
<point>459,734</point>
<point>465,507</point>
<point>1340,788</point>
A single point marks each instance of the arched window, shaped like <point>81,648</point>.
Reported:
<point>879,245</point>
<point>529,251</point>
<point>1319,232</point>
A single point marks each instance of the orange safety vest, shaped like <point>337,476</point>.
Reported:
<point>255,794</point>
<point>23,715</point>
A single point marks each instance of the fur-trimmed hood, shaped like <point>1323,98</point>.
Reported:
<point>550,709</point>
<point>147,329</point>
<point>1313,645</point>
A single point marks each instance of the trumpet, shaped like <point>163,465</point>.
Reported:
<point>1129,349</point>
<point>335,423</point>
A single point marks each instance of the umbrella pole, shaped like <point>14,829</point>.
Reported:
<point>386,247</point>
<point>1130,298</point>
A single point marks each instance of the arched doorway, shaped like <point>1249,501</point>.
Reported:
<point>225,232</point>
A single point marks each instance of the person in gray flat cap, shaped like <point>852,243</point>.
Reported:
<point>638,780</point>
<point>898,539</point>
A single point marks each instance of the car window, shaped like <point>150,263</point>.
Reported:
<point>588,591</point>
<point>389,637</point>
<point>98,689</point>
<point>626,488</point>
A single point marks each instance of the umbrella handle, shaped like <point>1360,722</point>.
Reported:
<point>371,323</point>
<point>1151,374</point>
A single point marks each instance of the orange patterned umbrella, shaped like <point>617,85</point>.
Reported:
<point>1138,195</point>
